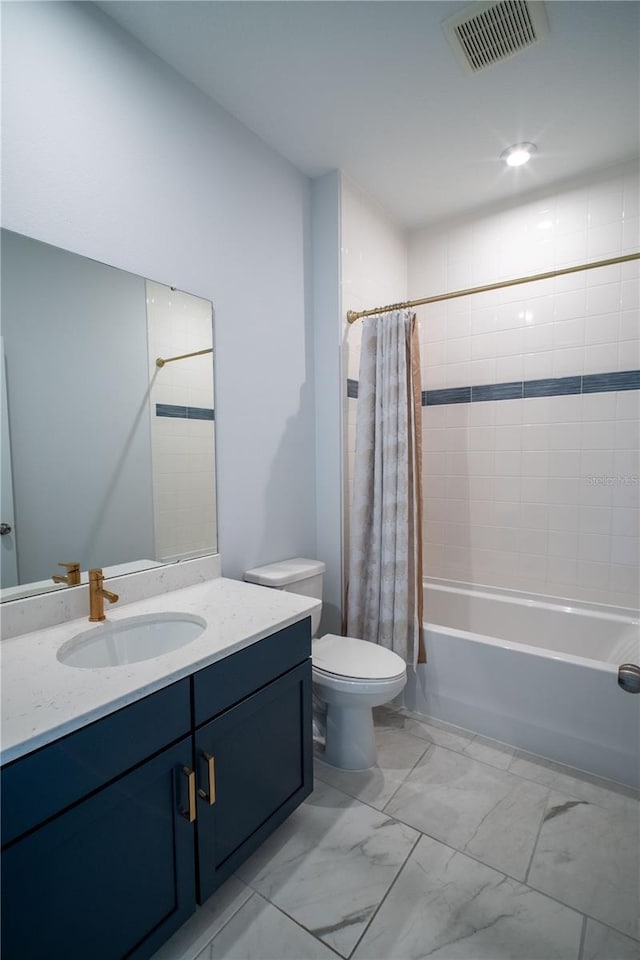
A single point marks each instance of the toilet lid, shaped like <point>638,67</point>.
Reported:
<point>360,659</point>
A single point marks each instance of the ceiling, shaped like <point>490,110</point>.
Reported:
<point>373,88</point>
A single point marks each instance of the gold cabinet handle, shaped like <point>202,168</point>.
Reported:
<point>190,814</point>
<point>211,770</point>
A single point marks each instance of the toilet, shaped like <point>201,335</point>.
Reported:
<point>350,676</point>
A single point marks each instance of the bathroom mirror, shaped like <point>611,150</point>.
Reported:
<point>108,460</point>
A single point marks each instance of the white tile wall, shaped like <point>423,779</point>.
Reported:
<point>557,514</point>
<point>183,450</point>
<point>539,494</point>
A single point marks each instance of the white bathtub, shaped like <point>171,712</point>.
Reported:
<point>533,672</point>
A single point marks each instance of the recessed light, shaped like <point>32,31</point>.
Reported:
<point>518,154</point>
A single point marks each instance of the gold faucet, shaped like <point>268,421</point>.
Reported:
<point>73,574</point>
<point>97,596</point>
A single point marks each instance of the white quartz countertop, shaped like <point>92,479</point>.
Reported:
<point>43,699</point>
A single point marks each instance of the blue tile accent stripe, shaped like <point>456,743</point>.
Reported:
<point>200,413</point>
<point>170,410</point>
<point>450,395</point>
<point>185,413</point>
<point>497,391</point>
<point>551,387</point>
<point>598,382</point>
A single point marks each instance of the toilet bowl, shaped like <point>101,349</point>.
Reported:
<point>350,676</point>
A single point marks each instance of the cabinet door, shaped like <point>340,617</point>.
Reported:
<point>110,878</point>
<point>42,784</point>
<point>260,753</point>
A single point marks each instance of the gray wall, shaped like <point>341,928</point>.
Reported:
<point>77,382</point>
<point>109,153</point>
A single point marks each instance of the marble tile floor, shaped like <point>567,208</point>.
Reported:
<point>453,846</point>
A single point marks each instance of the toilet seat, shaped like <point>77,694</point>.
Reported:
<point>353,659</point>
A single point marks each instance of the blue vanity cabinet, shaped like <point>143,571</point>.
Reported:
<point>254,758</point>
<point>112,874</point>
<point>109,835</point>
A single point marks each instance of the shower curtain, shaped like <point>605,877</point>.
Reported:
<point>384,591</point>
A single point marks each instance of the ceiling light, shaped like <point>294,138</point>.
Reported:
<point>518,154</point>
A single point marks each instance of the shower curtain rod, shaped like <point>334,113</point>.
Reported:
<point>353,315</point>
<point>183,356</point>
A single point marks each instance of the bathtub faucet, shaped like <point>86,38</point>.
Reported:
<point>629,677</point>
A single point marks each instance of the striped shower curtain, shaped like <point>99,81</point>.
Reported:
<point>384,593</point>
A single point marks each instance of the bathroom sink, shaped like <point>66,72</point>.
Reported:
<point>121,642</point>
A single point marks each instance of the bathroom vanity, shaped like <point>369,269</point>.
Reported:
<point>114,830</point>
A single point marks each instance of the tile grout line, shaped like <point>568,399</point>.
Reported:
<point>402,783</point>
<point>582,776</point>
<point>454,850</point>
<point>538,832</point>
<point>520,776</point>
<point>391,886</point>
<point>569,906</point>
<point>424,833</point>
<point>301,926</point>
<point>205,908</point>
<point>473,737</point>
<point>488,866</point>
<point>549,789</point>
<point>567,792</point>
<point>234,914</point>
<point>508,876</point>
<point>587,916</point>
<point>603,923</point>
<point>465,853</point>
<point>490,766</point>
<point>583,937</point>
<point>350,796</point>
<point>284,913</point>
<point>598,783</point>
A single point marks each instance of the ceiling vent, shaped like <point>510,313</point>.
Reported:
<point>486,33</point>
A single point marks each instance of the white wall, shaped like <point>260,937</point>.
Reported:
<point>374,252</point>
<point>510,497</point>
<point>109,153</point>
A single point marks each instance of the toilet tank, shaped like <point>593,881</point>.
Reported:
<point>295,576</point>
